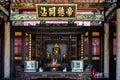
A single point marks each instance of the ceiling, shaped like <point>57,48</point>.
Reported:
<point>81,4</point>
<point>38,1</point>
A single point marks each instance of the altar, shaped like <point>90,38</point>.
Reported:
<point>31,72</point>
<point>55,58</point>
<point>56,75</point>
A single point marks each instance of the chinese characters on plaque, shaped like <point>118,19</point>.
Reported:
<point>56,11</point>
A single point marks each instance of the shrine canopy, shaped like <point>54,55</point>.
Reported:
<point>36,11</point>
<point>71,11</point>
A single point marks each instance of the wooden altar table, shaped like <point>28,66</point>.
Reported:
<point>69,75</point>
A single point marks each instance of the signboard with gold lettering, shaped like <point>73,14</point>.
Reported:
<point>56,11</point>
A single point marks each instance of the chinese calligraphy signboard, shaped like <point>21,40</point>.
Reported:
<point>56,11</point>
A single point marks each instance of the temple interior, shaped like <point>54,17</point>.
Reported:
<point>59,40</point>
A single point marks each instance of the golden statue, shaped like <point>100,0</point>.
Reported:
<point>64,55</point>
<point>56,49</point>
<point>48,54</point>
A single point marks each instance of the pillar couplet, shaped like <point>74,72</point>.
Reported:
<point>106,50</point>
<point>118,45</point>
<point>30,48</point>
<point>7,50</point>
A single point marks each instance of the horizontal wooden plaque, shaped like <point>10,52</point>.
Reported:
<point>56,11</point>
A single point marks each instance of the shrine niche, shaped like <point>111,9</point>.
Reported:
<point>55,55</point>
<point>54,51</point>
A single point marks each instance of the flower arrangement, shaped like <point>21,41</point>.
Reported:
<point>54,63</point>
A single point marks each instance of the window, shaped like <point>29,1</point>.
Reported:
<point>95,46</point>
<point>18,45</point>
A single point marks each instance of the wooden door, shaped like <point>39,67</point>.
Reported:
<point>0,56</point>
<point>1,50</point>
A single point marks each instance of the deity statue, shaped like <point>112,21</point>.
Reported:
<point>56,49</point>
<point>64,55</point>
<point>48,55</point>
<point>56,52</point>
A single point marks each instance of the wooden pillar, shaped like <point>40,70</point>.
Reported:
<point>12,61</point>
<point>111,55</point>
<point>90,47</point>
<point>23,47</point>
<point>102,49</point>
<point>106,50</point>
<point>118,45</point>
<point>7,50</point>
